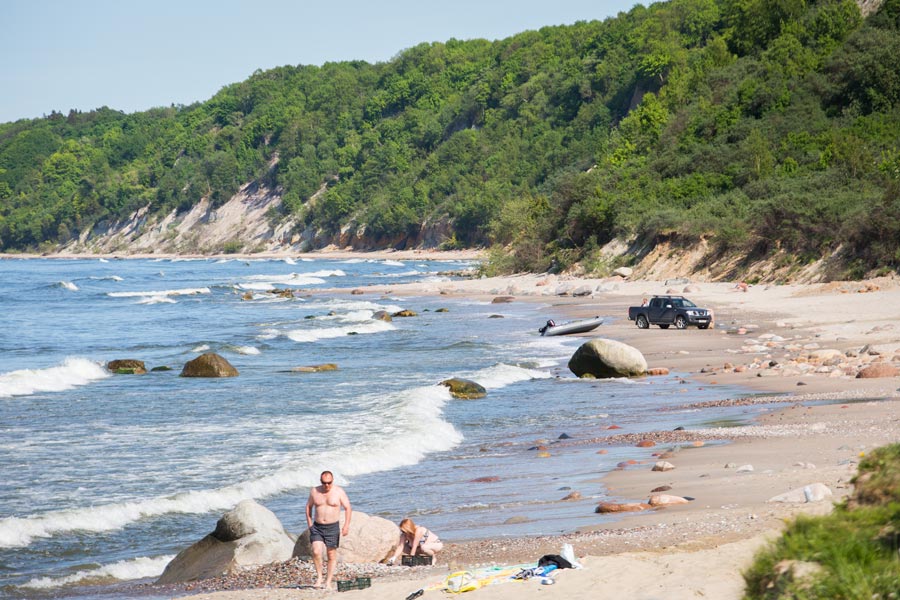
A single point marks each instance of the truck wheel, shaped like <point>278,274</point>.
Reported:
<point>642,322</point>
<point>680,322</point>
<point>663,325</point>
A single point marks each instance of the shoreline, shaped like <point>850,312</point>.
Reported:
<point>824,419</point>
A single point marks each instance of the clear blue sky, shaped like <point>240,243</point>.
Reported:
<point>132,55</point>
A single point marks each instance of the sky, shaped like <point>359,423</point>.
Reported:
<point>132,55</point>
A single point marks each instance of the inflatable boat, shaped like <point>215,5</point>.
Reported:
<point>580,326</point>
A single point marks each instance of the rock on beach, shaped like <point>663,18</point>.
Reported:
<point>604,358</point>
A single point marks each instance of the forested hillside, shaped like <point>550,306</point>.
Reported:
<point>765,128</point>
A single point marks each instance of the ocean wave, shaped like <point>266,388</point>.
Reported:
<point>289,261</point>
<point>246,350</point>
<point>393,263</point>
<point>177,292</point>
<point>157,300</point>
<point>71,373</point>
<point>502,374</point>
<point>200,348</point>
<point>67,285</point>
<point>312,335</point>
<point>295,277</point>
<point>106,278</point>
<point>388,432</point>
<point>125,570</point>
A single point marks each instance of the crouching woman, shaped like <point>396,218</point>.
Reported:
<point>415,539</point>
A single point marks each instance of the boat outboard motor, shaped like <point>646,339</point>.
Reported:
<point>549,324</point>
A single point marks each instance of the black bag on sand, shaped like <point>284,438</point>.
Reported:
<point>554,559</point>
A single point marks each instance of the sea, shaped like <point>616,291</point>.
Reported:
<point>105,477</point>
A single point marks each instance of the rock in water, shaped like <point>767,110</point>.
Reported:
<point>208,365</point>
<point>603,358</point>
<point>248,536</point>
<point>127,366</point>
<point>464,388</point>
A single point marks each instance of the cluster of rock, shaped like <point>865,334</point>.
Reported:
<point>251,535</point>
<point>791,358</point>
<point>209,364</point>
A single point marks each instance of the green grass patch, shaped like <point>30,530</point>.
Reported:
<point>850,554</point>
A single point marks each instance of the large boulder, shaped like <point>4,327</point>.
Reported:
<point>246,537</point>
<point>370,539</point>
<point>208,365</point>
<point>604,358</point>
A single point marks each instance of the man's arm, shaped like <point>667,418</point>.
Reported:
<point>309,506</point>
<point>348,512</point>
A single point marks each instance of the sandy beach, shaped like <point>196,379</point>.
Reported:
<point>797,346</point>
<point>768,338</point>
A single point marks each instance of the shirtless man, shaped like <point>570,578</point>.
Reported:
<point>325,503</point>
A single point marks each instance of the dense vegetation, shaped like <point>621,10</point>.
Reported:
<point>765,127</point>
<point>851,553</point>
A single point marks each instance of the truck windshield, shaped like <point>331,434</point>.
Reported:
<point>688,304</point>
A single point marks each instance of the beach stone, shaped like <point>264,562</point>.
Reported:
<point>404,313</point>
<point>571,496</point>
<point>515,520</point>
<point>666,500</point>
<point>382,315</point>
<point>690,289</point>
<point>645,444</point>
<point>657,371</point>
<point>614,507</point>
<point>663,466</point>
<point>315,368</point>
<point>485,479</point>
<point>208,365</point>
<point>371,539</point>
<point>745,469</point>
<point>878,370</point>
<point>584,290</point>
<point>814,492</point>
<point>464,388</point>
<point>502,300</point>
<point>357,292</point>
<point>604,358</point>
<point>126,366</point>
<point>825,354</point>
<point>662,488</point>
<point>624,272</point>
<point>250,535</point>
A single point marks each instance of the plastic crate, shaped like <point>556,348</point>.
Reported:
<point>359,583</point>
<point>415,561</point>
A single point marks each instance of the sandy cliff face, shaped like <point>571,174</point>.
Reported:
<point>243,224</point>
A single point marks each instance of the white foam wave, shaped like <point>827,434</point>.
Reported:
<point>394,263</point>
<point>311,335</point>
<point>353,305</point>
<point>292,277</point>
<point>247,350</point>
<point>126,570</point>
<point>108,278</point>
<point>289,261</point>
<point>68,285</point>
<point>103,260</point>
<point>256,287</point>
<point>501,375</point>
<point>354,316</point>
<point>177,292</point>
<point>200,348</point>
<point>72,372</point>
<point>388,433</point>
<point>157,300</point>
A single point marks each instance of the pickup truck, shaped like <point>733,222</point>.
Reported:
<point>670,310</point>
